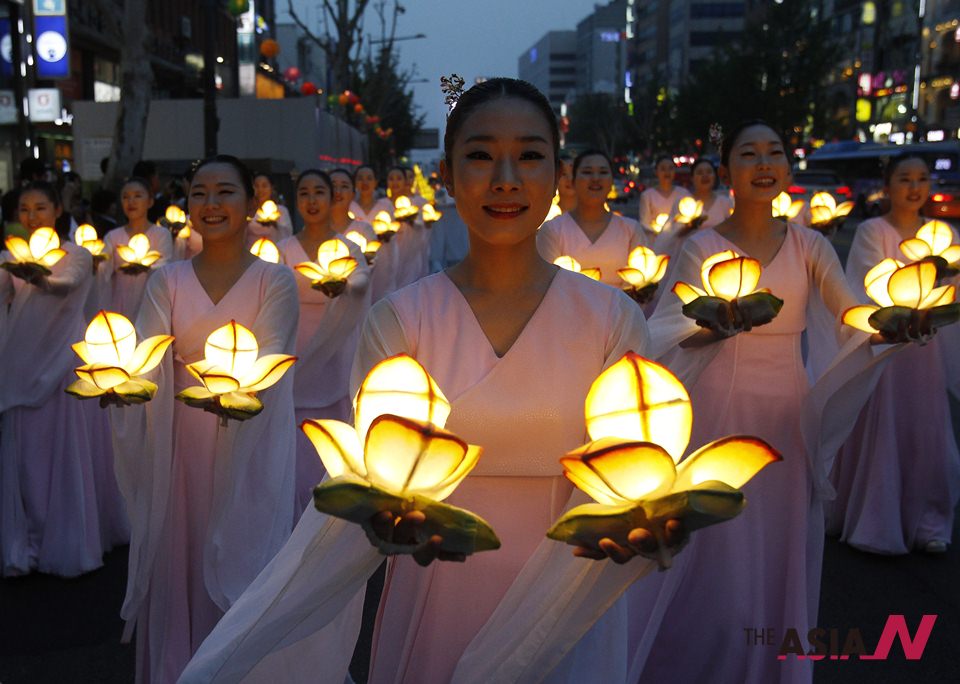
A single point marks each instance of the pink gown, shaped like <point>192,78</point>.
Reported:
<point>327,337</point>
<point>382,204</point>
<point>209,505</point>
<point>527,611</point>
<point>898,475</point>
<point>282,229</point>
<point>413,249</point>
<point>561,236</point>
<point>761,569</point>
<point>60,508</point>
<point>670,240</point>
<point>653,203</point>
<point>121,292</point>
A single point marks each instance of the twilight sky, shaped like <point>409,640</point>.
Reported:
<point>470,37</point>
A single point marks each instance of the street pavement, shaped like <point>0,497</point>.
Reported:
<point>55,630</point>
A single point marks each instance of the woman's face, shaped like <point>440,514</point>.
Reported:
<point>909,185</point>
<point>396,184</point>
<point>136,200</point>
<point>342,190</point>
<point>593,181</point>
<point>37,210</point>
<point>313,200</point>
<point>666,171</point>
<point>366,182</point>
<point>704,178</point>
<point>502,171</point>
<point>262,189</point>
<point>757,169</point>
<point>218,203</point>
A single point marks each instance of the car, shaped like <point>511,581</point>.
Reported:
<point>805,184</point>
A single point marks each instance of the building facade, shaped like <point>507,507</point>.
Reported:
<point>551,65</point>
<point>601,53</point>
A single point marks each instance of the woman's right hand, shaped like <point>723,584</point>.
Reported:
<point>402,535</point>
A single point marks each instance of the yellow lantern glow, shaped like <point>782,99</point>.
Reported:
<point>369,249</point>
<point>568,263</point>
<point>690,213</point>
<point>554,210</point>
<point>333,266</point>
<point>232,372</point>
<point>907,298</point>
<point>36,257</point>
<point>86,237</point>
<point>268,213</point>
<point>659,223</point>
<point>384,226</point>
<point>786,207</point>
<point>825,213</point>
<point>644,271</point>
<point>430,215</point>
<point>137,255</point>
<point>351,216</point>
<point>266,250</point>
<point>398,457</point>
<point>175,216</point>
<point>113,361</point>
<point>933,240</point>
<point>639,419</point>
<point>404,209</point>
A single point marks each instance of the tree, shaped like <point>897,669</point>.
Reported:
<point>599,121</point>
<point>343,43</point>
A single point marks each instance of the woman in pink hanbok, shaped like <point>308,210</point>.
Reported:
<point>660,199</point>
<point>514,343</point>
<point>716,208</point>
<point>120,290</point>
<point>329,328</point>
<point>209,504</point>
<point>60,509</point>
<point>413,238</point>
<point>367,205</point>
<point>279,229</point>
<point>761,569</point>
<point>898,475</point>
<point>591,233</point>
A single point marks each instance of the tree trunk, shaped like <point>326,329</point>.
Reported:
<point>136,84</point>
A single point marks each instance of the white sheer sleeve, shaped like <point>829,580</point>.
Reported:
<point>866,251</point>
<point>548,241</point>
<point>284,223</point>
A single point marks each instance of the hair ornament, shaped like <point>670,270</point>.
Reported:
<point>452,87</point>
<point>716,134</point>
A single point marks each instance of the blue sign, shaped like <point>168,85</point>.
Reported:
<point>6,48</point>
<point>51,46</point>
<point>49,7</point>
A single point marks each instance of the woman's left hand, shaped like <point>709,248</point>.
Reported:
<point>641,542</point>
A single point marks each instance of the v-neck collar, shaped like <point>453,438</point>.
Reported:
<point>603,232</point>
<point>739,250</point>
<point>213,304</point>
<point>526,326</point>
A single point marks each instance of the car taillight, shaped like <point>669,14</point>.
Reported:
<point>942,197</point>
<point>797,190</point>
<point>631,184</point>
<point>844,190</point>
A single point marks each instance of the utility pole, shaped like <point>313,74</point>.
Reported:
<point>211,123</point>
<point>19,17</point>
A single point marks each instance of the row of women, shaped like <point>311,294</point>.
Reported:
<point>219,588</point>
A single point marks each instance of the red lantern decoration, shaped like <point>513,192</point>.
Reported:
<point>291,73</point>
<point>354,98</point>
<point>308,88</point>
<point>269,48</point>
<point>343,99</point>
<point>358,108</point>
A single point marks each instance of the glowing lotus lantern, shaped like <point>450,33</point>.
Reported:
<point>368,247</point>
<point>825,214</point>
<point>934,242</point>
<point>659,223</point>
<point>554,210</point>
<point>405,210</point>
<point>268,214</point>
<point>34,259</point>
<point>690,214</point>
<point>266,250</point>
<point>113,362</point>
<point>399,458</point>
<point>639,418</point>
<point>329,273</point>
<point>86,237</point>
<point>785,207</point>
<point>231,374</point>
<point>175,218</point>
<point>644,271</point>
<point>570,264</point>
<point>430,215</point>
<point>137,255</point>
<point>729,298</point>
<point>384,226</point>
<point>909,302</point>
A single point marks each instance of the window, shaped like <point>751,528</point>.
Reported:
<point>716,10</point>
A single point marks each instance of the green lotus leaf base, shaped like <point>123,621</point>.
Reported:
<point>358,501</point>
<point>893,322</point>
<point>133,391</point>
<point>758,308</point>
<point>27,271</point>
<point>332,289</point>
<point>133,269</point>
<point>642,295</point>
<point>232,405</point>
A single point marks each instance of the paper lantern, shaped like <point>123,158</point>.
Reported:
<point>137,255</point>
<point>398,458</point>
<point>344,98</point>
<point>933,241</point>
<point>175,216</point>
<point>690,213</point>
<point>238,7</point>
<point>568,263</point>
<point>368,247</point>
<point>430,215</point>
<point>269,48</point>
<point>114,362</point>
<point>358,108</point>
<point>86,236</point>
<point>644,271</point>
<point>308,88</point>
<point>266,250</point>
<point>291,73</point>
<point>33,258</point>
<point>786,207</point>
<point>405,210</point>
<point>825,214</point>
<point>659,223</point>
<point>232,372</point>
<point>332,268</point>
<point>268,214</point>
<point>639,419</point>
<point>384,226</point>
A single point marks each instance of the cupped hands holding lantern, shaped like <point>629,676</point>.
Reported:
<point>31,260</point>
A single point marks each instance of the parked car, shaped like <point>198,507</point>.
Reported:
<point>808,183</point>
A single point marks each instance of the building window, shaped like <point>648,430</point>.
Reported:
<point>716,10</point>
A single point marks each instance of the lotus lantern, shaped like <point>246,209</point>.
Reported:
<point>405,210</point>
<point>659,223</point>
<point>113,362</point>
<point>554,210</point>
<point>430,215</point>
<point>332,268</point>
<point>786,207</point>
<point>266,250</point>
<point>399,458</point>
<point>729,297</point>
<point>34,258</point>
<point>137,255</point>
<point>825,214</point>
<point>368,247</point>
<point>176,220</point>
<point>934,242</point>
<point>86,236</point>
<point>690,213</point>
<point>908,302</point>
<point>639,419</point>
<point>384,226</point>
<point>570,264</point>
<point>268,214</point>
<point>643,273</point>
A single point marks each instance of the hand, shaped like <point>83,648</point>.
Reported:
<point>394,535</point>
<point>660,545</point>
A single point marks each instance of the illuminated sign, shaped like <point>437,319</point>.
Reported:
<point>610,36</point>
<point>51,45</point>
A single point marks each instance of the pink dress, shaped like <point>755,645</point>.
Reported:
<point>60,508</point>
<point>670,240</point>
<point>121,292</point>
<point>282,229</point>
<point>413,249</point>
<point>209,505</point>
<point>763,567</point>
<point>382,204</point>
<point>327,337</point>
<point>653,203</point>
<point>898,475</point>
<point>561,236</point>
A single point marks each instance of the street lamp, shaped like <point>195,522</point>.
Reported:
<point>394,40</point>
